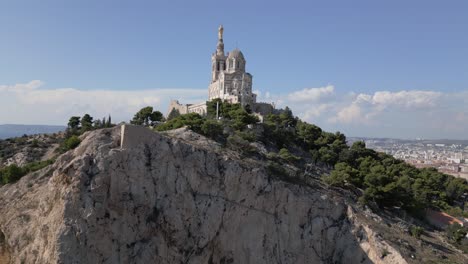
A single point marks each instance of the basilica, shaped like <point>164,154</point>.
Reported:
<point>229,82</point>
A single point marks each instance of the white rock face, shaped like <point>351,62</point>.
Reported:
<point>164,200</point>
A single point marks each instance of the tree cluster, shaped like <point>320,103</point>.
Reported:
<point>231,116</point>
<point>78,125</point>
<point>146,116</point>
<point>387,181</point>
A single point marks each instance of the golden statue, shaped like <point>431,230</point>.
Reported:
<point>220,32</point>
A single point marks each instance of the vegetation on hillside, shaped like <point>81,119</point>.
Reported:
<point>378,180</point>
<point>32,146</point>
<point>78,125</point>
<point>233,116</point>
<point>13,173</point>
<point>457,236</point>
<point>36,148</point>
<point>383,181</point>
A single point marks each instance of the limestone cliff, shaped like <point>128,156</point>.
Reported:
<point>153,198</point>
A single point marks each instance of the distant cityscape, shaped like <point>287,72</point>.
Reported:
<point>447,156</point>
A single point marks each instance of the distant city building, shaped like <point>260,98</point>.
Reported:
<point>229,82</point>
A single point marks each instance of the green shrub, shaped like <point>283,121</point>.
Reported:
<point>272,155</point>
<point>13,173</point>
<point>212,128</point>
<point>34,143</point>
<point>342,175</point>
<point>286,155</point>
<point>71,142</point>
<point>193,120</point>
<point>225,109</point>
<point>247,135</point>
<point>456,233</point>
<point>37,165</point>
<point>241,119</point>
<point>235,142</point>
<point>275,169</point>
<point>416,231</point>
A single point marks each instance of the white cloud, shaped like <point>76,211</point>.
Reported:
<point>21,87</point>
<point>30,103</point>
<point>408,99</point>
<point>367,107</point>
<point>315,111</point>
<point>404,113</point>
<point>311,94</point>
<point>349,114</point>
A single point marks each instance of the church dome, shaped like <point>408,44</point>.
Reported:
<point>236,54</point>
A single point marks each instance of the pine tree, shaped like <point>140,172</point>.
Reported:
<point>109,122</point>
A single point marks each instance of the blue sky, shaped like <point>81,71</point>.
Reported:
<point>373,54</point>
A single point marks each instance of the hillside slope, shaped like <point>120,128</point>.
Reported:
<point>154,198</point>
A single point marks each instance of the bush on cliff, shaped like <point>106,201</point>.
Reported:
<point>69,143</point>
<point>193,120</point>
<point>13,173</point>
<point>211,128</point>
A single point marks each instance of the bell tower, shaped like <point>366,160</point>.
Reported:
<point>218,59</point>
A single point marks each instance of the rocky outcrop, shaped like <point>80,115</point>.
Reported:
<point>151,198</point>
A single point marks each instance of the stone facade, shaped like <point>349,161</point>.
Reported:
<point>229,82</point>
<point>187,108</point>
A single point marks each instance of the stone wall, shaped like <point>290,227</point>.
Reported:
<point>174,104</point>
